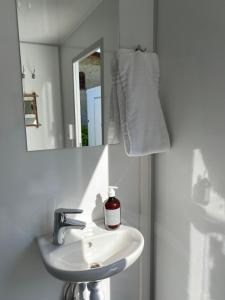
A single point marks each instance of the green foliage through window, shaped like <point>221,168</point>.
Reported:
<point>84,135</point>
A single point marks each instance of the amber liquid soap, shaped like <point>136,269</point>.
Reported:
<point>112,210</point>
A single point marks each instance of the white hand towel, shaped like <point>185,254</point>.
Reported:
<point>114,117</point>
<point>135,89</point>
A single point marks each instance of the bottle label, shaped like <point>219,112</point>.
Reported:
<point>112,216</point>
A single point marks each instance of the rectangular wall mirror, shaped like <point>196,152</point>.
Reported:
<point>66,48</point>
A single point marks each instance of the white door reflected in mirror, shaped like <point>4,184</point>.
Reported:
<point>88,86</point>
<point>94,113</point>
<point>63,70</point>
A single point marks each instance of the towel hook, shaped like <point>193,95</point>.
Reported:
<point>139,48</point>
<point>33,75</point>
<point>23,73</point>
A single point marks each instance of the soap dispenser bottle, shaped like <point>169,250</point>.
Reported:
<point>112,210</point>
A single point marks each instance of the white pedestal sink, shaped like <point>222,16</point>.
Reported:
<point>92,254</point>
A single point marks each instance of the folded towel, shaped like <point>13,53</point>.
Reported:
<point>135,94</point>
<point>114,117</point>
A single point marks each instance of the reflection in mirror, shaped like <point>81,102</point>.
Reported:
<point>65,70</point>
<point>87,80</point>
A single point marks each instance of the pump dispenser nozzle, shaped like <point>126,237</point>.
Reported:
<point>112,192</point>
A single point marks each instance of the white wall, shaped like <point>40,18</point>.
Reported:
<point>136,23</point>
<point>45,60</point>
<point>190,185</point>
<point>33,184</point>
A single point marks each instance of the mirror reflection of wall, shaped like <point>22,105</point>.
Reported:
<point>44,59</point>
<point>65,70</point>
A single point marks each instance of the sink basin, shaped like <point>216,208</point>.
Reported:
<point>91,254</point>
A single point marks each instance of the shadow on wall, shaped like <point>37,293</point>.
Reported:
<point>190,187</point>
<point>98,207</point>
<point>190,234</point>
<point>207,238</point>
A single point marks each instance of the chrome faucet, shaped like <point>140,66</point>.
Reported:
<point>62,223</point>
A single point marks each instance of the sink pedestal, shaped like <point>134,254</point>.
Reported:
<point>95,291</point>
<point>81,290</point>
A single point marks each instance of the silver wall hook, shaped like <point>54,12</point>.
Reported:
<point>23,73</point>
<point>33,75</point>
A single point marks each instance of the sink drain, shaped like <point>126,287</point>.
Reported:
<point>95,265</point>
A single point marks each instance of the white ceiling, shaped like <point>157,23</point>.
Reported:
<point>51,21</point>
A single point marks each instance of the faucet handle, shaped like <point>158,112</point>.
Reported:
<point>68,211</point>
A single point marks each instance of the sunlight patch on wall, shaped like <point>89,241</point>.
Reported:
<point>93,198</point>
<point>199,275</point>
<point>206,241</point>
<point>97,190</point>
<point>200,172</point>
<point>203,193</point>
